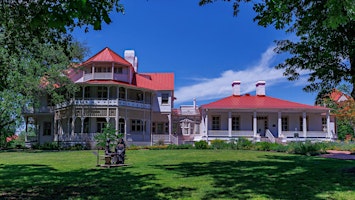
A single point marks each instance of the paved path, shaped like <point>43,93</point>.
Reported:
<point>344,155</point>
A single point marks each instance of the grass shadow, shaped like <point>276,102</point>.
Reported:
<point>43,182</point>
<point>270,177</point>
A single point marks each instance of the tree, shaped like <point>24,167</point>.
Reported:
<point>346,115</point>
<point>36,47</point>
<point>325,47</point>
<point>343,109</point>
<point>108,133</point>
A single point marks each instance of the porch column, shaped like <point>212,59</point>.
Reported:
<point>83,93</point>
<point>206,125</point>
<point>328,125</point>
<point>279,124</point>
<point>304,125</point>
<point>82,125</point>
<point>169,118</point>
<point>117,120</point>
<point>68,124</point>
<point>255,124</point>
<point>93,71</point>
<point>112,70</point>
<point>108,94</point>
<point>73,125</point>
<point>229,124</point>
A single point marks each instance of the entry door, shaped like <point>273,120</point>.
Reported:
<point>121,125</point>
<point>262,125</point>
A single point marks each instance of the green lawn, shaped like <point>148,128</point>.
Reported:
<point>175,174</point>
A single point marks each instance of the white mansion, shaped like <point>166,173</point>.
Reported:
<point>140,105</point>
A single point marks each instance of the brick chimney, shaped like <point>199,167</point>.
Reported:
<point>236,88</point>
<point>129,55</point>
<point>260,88</point>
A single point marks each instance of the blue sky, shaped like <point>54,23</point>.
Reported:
<point>206,47</point>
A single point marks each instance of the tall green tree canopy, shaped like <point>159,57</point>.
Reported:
<point>325,46</point>
<point>36,47</point>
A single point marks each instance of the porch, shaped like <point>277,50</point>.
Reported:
<point>138,139</point>
<point>284,136</point>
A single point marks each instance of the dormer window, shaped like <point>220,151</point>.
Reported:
<point>118,70</point>
<point>102,69</point>
<point>88,70</point>
<point>165,98</point>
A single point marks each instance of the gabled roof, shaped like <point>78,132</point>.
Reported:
<point>107,55</point>
<point>259,102</point>
<point>337,96</point>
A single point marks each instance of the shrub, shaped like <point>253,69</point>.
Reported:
<point>181,146</point>
<point>49,146</point>
<point>263,146</point>
<point>219,144</point>
<point>305,148</point>
<point>244,144</point>
<point>279,147</point>
<point>201,144</point>
<point>156,147</point>
<point>160,142</point>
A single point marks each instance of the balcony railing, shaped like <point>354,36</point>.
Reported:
<point>42,109</point>
<point>105,102</point>
<point>106,76</point>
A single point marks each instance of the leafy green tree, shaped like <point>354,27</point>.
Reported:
<point>325,45</point>
<point>343,110</point>
<point>36,47</point>
<point>108,133</point>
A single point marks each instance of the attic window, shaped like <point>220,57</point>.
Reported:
<point>118,70</point>
<point>165,98</point>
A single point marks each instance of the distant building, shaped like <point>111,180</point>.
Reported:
<point>262,117</point>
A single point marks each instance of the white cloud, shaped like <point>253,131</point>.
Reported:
<point>220,87</point>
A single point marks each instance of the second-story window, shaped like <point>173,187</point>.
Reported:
<point>118,70</point>
<point>165,98</point>
<point>87,92</point>
<point>103,69</point>
<point>102,92</point>
<point>122,93</point>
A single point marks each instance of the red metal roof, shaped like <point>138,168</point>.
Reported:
<point>152,81</point>
<point>107,55</point>
<point>155,81</point>
<point>335,95</point>
<point>258,102</point>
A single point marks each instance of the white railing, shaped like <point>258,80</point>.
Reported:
<point>98,76</point>
<point>243,133</point>
<point>106,76</point>
<point>134,104</point>
<point>87,77</point>
<point>99,102</point>
<point>299,136</point>
<point>218,133</point>
<point>224,133</point>
<point>77,137</point>
<point>161,137</point>
<point>174,140</point>
<point>42,109</point>
<point>104,102</point>
<point>270,136</point>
